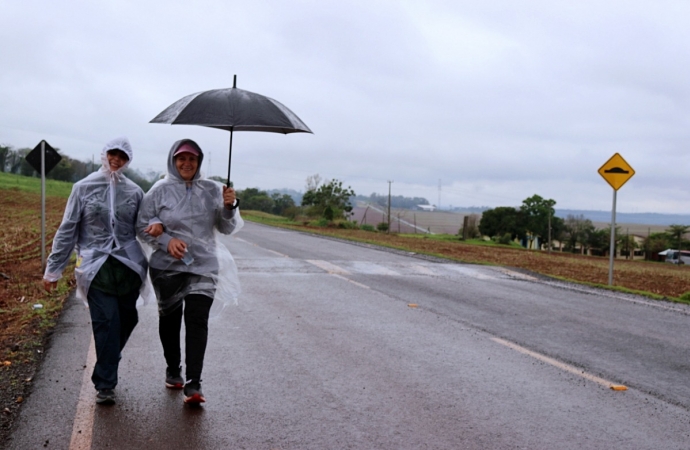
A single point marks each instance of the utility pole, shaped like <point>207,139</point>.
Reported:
<point>389,205</point>
<point>549,231</point>
<point>439,194</point>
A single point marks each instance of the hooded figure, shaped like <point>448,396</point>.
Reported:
<point>99,222</point>
<point>180,218</point>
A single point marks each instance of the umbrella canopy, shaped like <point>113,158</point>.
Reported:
<point>232,109</point>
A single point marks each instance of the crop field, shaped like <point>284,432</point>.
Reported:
<point>405,220</point>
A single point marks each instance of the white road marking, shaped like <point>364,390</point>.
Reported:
<point>369,268</point>
<point>351,281</point>
<point>558,364</point>
<point>256,245</point>
<point>328,267</point>
<point>83,419</point>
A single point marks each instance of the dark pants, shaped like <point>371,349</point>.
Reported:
<point>112,318</point>
<point>195,309</point>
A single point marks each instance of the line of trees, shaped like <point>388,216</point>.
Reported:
<point>574,233</point>
<point>327,200</point>
<point>532,218</point>
<point>68,169</point>
<point>397,201</point>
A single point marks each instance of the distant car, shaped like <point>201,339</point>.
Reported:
<point>675,257</point>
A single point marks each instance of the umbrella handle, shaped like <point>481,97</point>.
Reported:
<point>230,157</point>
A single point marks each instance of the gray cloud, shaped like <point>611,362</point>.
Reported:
<point>498,100</point>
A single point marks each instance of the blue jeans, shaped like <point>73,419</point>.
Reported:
<point>112,320</point>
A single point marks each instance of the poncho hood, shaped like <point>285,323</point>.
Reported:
<point>119,143</point>
<point>173,174</point>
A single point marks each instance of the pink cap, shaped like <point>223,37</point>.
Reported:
<point>188,148</point>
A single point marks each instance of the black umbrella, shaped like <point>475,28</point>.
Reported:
<point>233,110</point>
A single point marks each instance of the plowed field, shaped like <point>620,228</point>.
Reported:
<point>24,327</point>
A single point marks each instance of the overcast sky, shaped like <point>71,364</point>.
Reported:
<point>492,101</point>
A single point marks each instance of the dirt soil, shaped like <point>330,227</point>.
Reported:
<point>25,330</point>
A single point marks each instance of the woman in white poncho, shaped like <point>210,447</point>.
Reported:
<point>188,266</point>
<point>99,223</point>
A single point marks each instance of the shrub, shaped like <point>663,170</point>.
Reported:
<point>382,226</point>
<point>347,225</point>
<point>322,222</point>
<point>505,239</point>
<point>367,227</point>
<point>328,213</point>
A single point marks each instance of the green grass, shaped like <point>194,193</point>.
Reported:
<point>456,238</point>
<point>266,218</point>
<point>54,188</point>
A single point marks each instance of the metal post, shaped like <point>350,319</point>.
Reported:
<point>389,206</point>
<point>43,206</point>
<point>612,247</point>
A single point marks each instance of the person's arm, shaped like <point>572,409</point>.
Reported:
<point>64,241</point>
<point>149,227</point>
<point>151,230</point>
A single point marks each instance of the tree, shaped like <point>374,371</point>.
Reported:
<point>655,243</point>
<point>313,182</point>
<point>536,212</point>
<point>256,200</point>
<point>676,233</point>
<point>599,239</point>
<point>281,203</point>
<point>21,166</point>
<point>397,201</point>
<point>63,171</point>
<point>627,244</point>
<point>499,221</point>
<point>576,230</point>
<point>557,229</point>
<point>5,151</point>
<point>329,194</point>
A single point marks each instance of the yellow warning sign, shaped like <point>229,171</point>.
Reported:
<point>616,171</point>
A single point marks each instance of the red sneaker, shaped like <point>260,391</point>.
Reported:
<point>192,393</point>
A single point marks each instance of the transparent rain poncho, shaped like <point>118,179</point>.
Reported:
<point>196,216</point>
<point>98,222</point>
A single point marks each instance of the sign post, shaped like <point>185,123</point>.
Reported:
<point>43,158</point>
<point>616,171</point>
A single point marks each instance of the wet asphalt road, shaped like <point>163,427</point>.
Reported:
<point>324,351</point>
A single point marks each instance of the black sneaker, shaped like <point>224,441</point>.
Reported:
<point>173,380</point>
<point>105,397</point>
<point>192,393</point>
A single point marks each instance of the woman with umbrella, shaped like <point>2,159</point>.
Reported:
<point>189,267</point>
<point>99,222</point>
